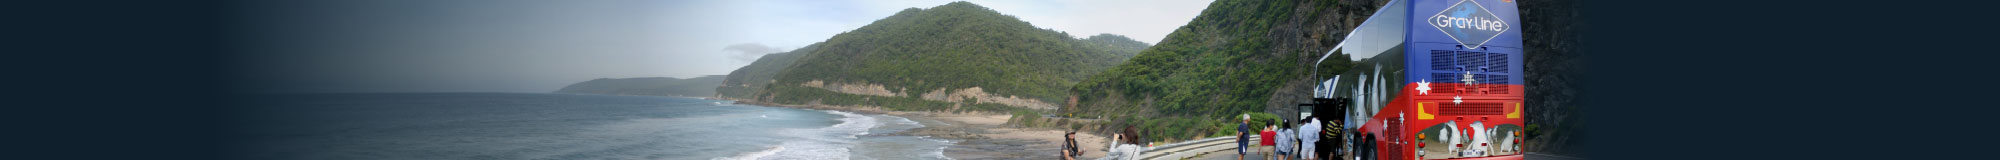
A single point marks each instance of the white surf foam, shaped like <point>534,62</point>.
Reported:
<point>854,125</point>
<point>907,121</point>
<point>754,155</point>
<point>831,142</point>
<point>940,154</point>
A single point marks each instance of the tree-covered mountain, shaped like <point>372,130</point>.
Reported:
<point>648,86</point>
<point>1238,56</point>
<point>744,83</point>
<point>955,55</point>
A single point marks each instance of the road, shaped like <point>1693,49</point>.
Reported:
<point>1230,154</point>
<point>1224,148</point>
<point>1540,156</point>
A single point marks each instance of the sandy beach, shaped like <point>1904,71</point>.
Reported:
<point>985,136</point>
<point>977,135</point>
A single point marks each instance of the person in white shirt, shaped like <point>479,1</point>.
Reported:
<point>1124,146</point>
<point>1309,135</point>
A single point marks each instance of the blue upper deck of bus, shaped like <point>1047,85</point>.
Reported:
<point>1438,41</point>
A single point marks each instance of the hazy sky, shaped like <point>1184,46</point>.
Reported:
<point>541,45</point>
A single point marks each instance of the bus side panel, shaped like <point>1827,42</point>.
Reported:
<point>1388,142</point>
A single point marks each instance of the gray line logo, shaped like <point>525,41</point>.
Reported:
<point>1469,23</point>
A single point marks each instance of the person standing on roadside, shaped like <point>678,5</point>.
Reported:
<point>1285,141</point>
<point>1309,139</point>
<point>1243,137</point>
<point>1267,138</point>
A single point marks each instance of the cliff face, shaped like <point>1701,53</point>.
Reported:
<point>1554,74</point>
<point>1334,25</point>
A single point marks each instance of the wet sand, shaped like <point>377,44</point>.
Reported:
<point>981,135</point>
<point>985,136</point>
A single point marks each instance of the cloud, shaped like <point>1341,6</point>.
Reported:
<point>749,52</point>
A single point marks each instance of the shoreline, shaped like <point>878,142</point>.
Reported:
<point>977,135</point>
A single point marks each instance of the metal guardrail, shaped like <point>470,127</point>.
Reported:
<point>1193,148</point>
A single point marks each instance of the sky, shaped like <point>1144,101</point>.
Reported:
<point>541,46</point>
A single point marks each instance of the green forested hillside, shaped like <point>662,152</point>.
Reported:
<point>648,86</point>
<point>1238,56</point>
<point>745,82</point>
<point>950,47</point>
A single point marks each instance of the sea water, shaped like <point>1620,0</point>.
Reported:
<point>559,126</point>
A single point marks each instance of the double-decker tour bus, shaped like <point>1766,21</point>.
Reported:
<point>1426,79</point>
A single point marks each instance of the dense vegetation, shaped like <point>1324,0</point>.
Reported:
<point>1216,64</point>
<point>960,45</point>
<point>648,86</point>
<point>916,51</point>
<point>1237,57</point>
<point>744,83</point>
<point>807,95</point>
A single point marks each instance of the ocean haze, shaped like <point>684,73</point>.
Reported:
<point>472,46</point>
<point>540,46</point>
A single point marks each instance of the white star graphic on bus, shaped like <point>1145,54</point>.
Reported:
<point>1423,87</point>
<point>1468,78</point>
<point>1456,99</point>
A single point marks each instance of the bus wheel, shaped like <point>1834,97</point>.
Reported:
<point>1369,152</point>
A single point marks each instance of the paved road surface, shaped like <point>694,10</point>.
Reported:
<point>1540,156</point>
<point>1231,155</point>
<point>1224,148</point>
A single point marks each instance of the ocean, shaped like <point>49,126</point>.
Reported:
<point>559,126</point>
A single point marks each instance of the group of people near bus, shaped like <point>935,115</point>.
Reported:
<point>1287,141</point>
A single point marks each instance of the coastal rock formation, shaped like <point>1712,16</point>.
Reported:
<point>975,94</point>
<point>853,88</point>
<point>979,95</point>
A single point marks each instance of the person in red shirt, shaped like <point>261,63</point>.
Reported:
<point>1268,136</point>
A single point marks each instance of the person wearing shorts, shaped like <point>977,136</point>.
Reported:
<point>1243,137</point>
<point>1285,141</point>
<point>1308,139</point>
